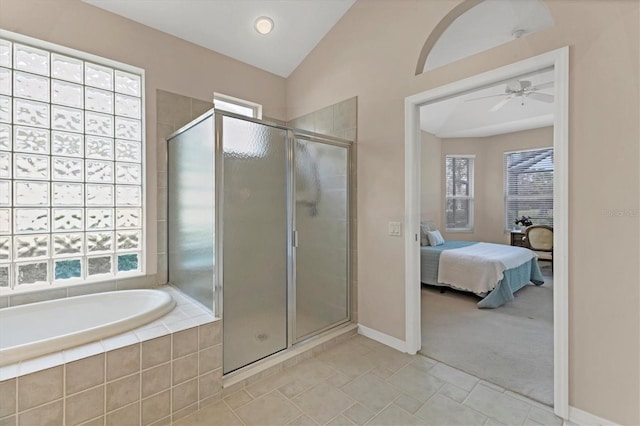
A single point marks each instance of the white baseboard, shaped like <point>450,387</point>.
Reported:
<point>385,339</point>
<point>582,418</point>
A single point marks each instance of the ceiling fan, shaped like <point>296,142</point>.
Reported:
<point>520,89</point>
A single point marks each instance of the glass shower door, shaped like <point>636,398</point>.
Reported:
<point>321,222</point>
<point>255,233</point>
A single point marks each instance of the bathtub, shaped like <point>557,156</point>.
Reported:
<point>36,329</point>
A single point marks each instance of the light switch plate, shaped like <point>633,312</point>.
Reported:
<point>395,229</point>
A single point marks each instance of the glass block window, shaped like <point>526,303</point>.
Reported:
<point>71,167</point>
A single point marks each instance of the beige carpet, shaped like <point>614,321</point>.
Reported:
<point>511,346</point>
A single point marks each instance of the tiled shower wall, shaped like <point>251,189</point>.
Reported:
<point>173,112</point>
<point>340,120</point>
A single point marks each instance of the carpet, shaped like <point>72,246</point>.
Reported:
<point>510,346</point>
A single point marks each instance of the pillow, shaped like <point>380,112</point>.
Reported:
<point>424,239</point>
<point>435,238</point>
<point>426,226</point>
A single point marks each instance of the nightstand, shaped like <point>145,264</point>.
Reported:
<point>517,239</point>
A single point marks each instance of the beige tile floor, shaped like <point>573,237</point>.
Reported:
<point>362,382</point>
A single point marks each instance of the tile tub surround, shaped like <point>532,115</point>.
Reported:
<point>156,373</point>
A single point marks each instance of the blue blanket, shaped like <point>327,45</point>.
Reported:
<point>514,279</point>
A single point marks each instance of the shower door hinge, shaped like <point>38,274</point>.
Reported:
<point>295,238</point>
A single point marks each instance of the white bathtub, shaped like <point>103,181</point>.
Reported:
<point>37,329</point>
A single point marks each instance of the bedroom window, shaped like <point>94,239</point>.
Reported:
<point>71,166</point>
<point>459,192</point>
<point>528,186</point>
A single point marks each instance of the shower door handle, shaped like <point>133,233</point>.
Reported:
<point>295,239</point>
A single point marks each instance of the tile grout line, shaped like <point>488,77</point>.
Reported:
<point>17,399</point>
<point>354,402</point>
<point>234,413</point>
<point>104,382</point>
<point>294,404</point>
<point>139,387</point>
<point>471,408</point>
<point>64,394</point>
<point>171,339</point>
<point>380,411</point>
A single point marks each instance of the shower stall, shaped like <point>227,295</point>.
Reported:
<point>259,230</point>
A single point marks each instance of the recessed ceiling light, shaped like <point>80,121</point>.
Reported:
<point>264,25</point>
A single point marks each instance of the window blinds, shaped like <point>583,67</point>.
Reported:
<point>528,186</point>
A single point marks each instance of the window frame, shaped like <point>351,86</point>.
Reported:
<point>52,283</point>
<point>255,107</point>
<point>509,225</point>
<point>470,197</point>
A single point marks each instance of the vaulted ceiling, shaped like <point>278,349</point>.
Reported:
<point>227,26</point>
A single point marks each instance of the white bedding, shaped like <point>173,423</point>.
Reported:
<point>478,268</point>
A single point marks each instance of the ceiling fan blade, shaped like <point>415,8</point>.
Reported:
<point>484,97</point>
<point>540,97</point>
<point>543,86</point>
<point>500,104</point>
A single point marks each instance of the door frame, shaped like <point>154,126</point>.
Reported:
<point>559,60</point>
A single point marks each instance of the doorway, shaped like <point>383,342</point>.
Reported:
<point>558,60</point>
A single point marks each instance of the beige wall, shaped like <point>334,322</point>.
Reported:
<point>488,179</point>
<point>170,64</point>
<point>373,56</point>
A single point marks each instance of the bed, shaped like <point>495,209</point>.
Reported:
<point>492,271</point>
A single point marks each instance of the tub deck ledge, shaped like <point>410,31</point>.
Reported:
<point>186,314</point>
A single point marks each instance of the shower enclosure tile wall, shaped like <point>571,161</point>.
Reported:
<point>253,217</point>
<point>341,120</point>
<point>321,181</point>
<point>278,228</point>
<point>173,112</point>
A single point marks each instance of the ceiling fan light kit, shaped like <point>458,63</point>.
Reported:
<point>520,89</point>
